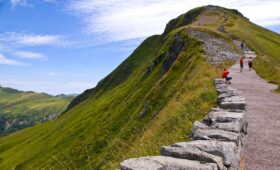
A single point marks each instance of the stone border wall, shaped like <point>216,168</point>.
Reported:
<point>216,140</point>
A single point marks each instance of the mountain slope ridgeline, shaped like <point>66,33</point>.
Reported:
<point>150,100</point>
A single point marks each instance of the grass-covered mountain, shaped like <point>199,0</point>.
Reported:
<point>150,100</point>
<point>20,109</point>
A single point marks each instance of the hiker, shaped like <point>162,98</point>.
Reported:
<point>241,63</point>
<point>225,76</point>
<point>242,45</point>
<point>250,63</point>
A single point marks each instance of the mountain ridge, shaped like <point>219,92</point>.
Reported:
<point>150,100</point>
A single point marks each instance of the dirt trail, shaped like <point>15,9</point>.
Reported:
<point>262,146</point>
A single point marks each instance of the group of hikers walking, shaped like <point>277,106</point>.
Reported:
<point>226,72</point>
<point>250,63</point>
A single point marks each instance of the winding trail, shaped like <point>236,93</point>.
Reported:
<point>262,145</point>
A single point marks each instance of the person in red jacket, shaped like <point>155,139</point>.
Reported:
<point>241,63</point>
<point>225,76</point>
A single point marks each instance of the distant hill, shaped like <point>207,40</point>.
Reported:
<point>150,100</point>
<point>20,109</point>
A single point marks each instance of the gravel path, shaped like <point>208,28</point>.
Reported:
<point>262,145</point>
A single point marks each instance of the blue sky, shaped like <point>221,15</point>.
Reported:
<point>67,46</point>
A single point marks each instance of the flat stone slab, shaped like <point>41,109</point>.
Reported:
<point>228,110</point>
<point>226,150</point>
<point>233,102</point>
<point>224,116</point>
<point>223,88</point>
<point>192,153</point>
<point>228,120</point>
<point>234,126</point>
<point>165,163</point>
<point>232,93</point>
<point>222,135</point>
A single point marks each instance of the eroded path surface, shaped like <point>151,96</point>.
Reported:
<point>262,147</point>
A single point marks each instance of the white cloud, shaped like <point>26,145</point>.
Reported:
<point>13,40</point>
<point>128,19</point>
<point>30,39</point>
<point>30,55</point>
<point>34,40</point>
<point>115,20</point>
<point>6,61</point>
<point>262,12</point>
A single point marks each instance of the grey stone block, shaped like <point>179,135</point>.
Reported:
<point>232,93</point>
<point>165,163</point>
<point>223,116</point>
<point>207,134</point>
<point>234,102</point>
<point>227,150</point>
<point>192,153</point>
<point>234,126</point>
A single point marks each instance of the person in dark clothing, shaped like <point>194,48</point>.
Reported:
<point>242,45</point>
<point>225,76</point>
<point>250,63</point>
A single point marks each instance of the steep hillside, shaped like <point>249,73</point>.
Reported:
<point>19,109</point>
<point>150,100</point>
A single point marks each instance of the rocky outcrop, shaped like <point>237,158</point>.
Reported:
<point>217,50</point>
<point>173,52</point>
<point>169,57</point>
<point>10,123</point>
<point>216,141</point>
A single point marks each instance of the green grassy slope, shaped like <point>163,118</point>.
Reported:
<point>23,109</point>
<point>108,124</point>
<point>150,100</point>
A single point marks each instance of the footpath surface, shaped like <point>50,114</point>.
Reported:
<point>262,146</point>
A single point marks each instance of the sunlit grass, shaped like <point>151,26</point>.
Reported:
<point>131,112</point>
